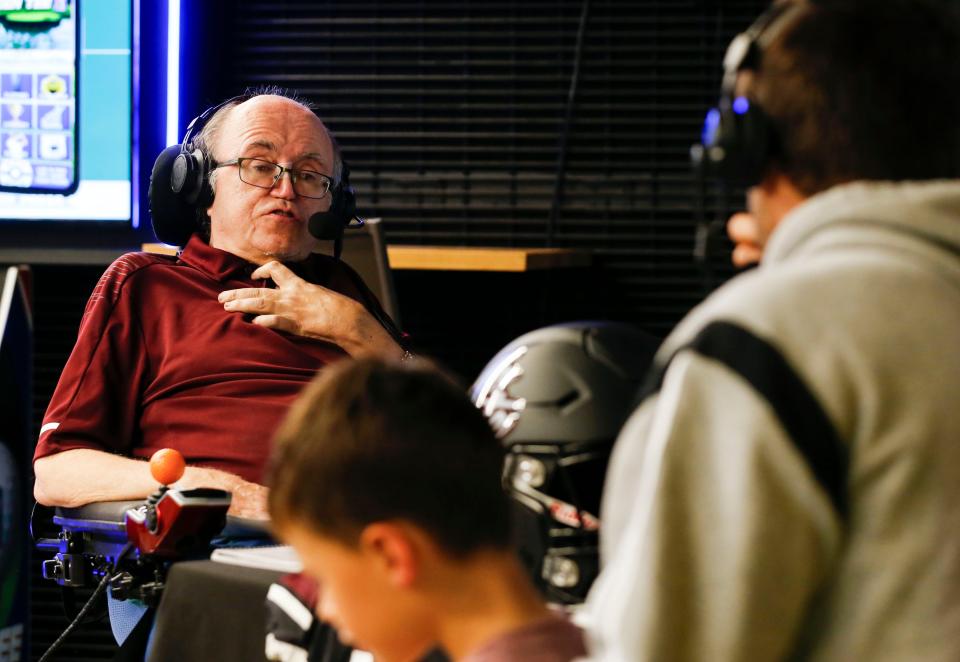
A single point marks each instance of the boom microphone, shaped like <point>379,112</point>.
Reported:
<point>324,225</point>
<point>331,224</point>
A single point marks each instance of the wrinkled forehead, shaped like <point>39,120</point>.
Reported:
<point>274,126</point>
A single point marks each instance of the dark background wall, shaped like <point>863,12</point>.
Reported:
<point>453,116</point>
<point>460,126</point>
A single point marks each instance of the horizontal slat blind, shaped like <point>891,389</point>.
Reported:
<point>450,115</point>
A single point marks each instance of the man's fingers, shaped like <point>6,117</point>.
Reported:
<point>242,293</point>
<point>742,228</point>
<point>276,322</point>
<point>746,254</point>
<point>253,304</point>
<point>744,231</point>
<point>276,272</point>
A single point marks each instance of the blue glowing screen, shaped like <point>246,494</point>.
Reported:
<point>56,81</point>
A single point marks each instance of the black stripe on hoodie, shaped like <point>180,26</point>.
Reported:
<point>762,366</point>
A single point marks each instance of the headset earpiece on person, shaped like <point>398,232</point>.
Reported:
<point>180,185</point>
<point>738,138</point>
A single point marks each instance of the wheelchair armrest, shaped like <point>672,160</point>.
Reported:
<point>109,517</point>
<point>103,517</point>
<point>135,537</point>
<point>84,540</point>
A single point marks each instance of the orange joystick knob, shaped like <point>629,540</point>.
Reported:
<point>167,466</point>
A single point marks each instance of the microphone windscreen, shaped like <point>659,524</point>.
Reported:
<point>325,225</point>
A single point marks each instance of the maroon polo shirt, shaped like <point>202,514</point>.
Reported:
<point>160,364</point>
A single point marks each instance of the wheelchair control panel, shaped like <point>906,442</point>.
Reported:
<point>134,541</point>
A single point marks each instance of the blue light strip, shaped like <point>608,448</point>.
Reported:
<point>173,72</point>
<point>135,161</point>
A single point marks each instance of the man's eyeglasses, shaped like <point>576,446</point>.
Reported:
<point>264,174</point>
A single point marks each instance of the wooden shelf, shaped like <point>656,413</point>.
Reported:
<point>473,258</point>
<point>465,258</point>
<point>160,249</point>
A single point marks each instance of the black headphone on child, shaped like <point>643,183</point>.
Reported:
<point>738,137</point>
<point>180,185</point>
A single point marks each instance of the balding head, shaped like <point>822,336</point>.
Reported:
<point>207,139</point>
<point>262,223</point>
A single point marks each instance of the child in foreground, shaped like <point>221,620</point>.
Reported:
<point>386,480</point>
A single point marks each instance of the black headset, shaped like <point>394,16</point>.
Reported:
<point>738,138</point>
<point>180,185</point>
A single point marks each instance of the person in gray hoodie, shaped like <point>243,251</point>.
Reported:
<point>789,486</point>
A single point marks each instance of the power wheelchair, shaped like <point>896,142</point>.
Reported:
<point>126,547</point>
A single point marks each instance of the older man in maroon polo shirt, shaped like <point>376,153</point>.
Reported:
<point>204,352</point>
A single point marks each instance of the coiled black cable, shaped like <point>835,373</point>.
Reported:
<point>101,587</point>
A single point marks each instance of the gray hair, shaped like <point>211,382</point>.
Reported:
<point>210,132</point>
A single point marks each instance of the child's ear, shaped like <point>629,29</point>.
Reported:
<point>394,550</point>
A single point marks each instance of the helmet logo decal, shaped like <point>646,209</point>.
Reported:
<point>501,409</point>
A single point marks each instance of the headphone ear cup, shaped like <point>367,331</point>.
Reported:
<point>172,217</point>
<point>742,147</point>
<point>189,177</point>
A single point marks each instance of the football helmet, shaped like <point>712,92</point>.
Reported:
<point>557,397</point>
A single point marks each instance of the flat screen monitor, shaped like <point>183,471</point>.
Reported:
<point>66,110</point>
